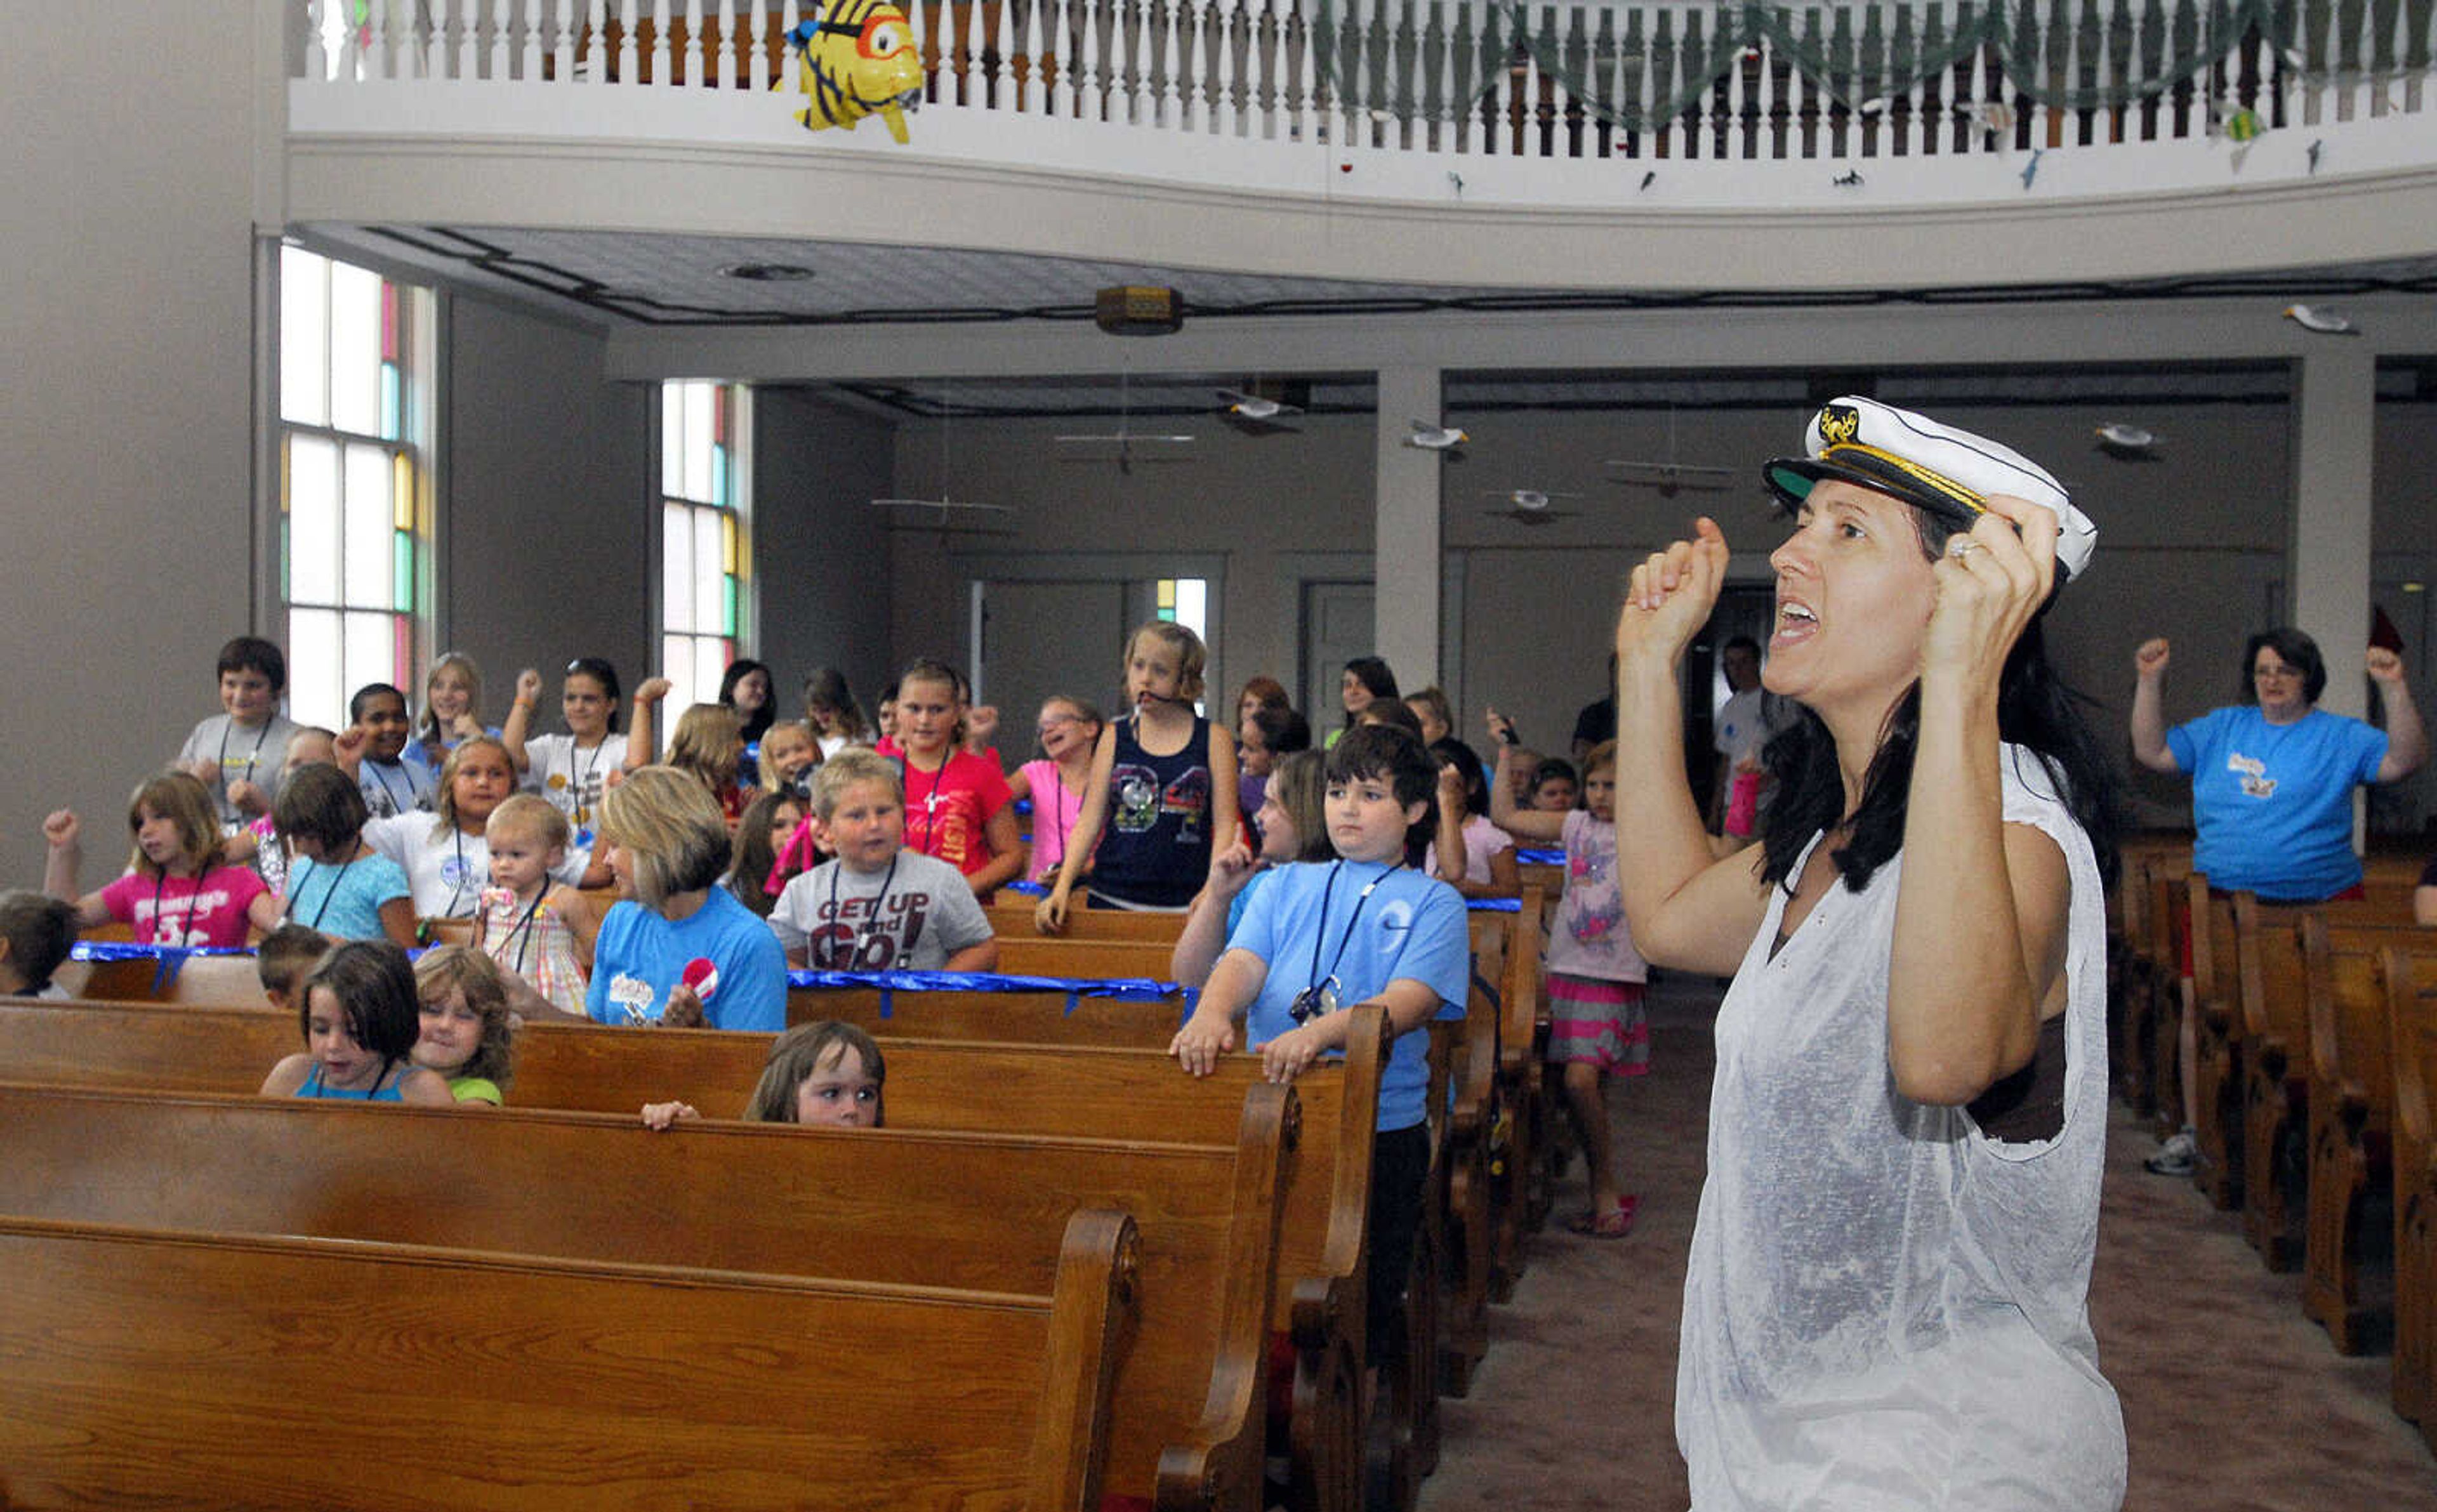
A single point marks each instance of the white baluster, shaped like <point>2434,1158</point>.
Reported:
<point>1924,131</point>
<point>529,55</point>
<point>317,56</point>
<point>497,62</point>
<point>1062,37</point>
<point>695,56</point>
<point>1738,89</point>
<point>1226,119</point>
<point>375,43</point>
<point>2369,93</point>
<point>468,39</point>
<point>1527,89</point>
<point>1002,65</point>
<point>971,90</point>
<point>629,67</point>
<point>1087,87</point>
<point>1193,56</point>
<point>1304,122</point>
<point>1977,106</point>
<point>1350,58</point>
<point>663,70</point>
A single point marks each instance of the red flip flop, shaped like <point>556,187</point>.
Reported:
<point>1614,1223</point>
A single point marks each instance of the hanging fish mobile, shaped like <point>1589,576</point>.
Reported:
<point>854,58</point>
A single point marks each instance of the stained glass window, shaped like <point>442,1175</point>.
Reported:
<point>705,550</point>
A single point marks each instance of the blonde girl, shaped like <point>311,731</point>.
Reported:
<point>452,711</point>
<point>789,752</point>
<point>1162,799</point>
<point>531,923</point>
<point>467,1036</point>
<point>176,890</point>
<point>1069,731</point>
<point>709,742</point>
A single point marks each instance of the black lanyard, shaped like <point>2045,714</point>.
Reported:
<point>584,809</point>
<point>328,892</point>
<point>260,736</point>
<point>523,931</point>
<point>930,803</point>
<point>186,921</point>
<point>457,888</point>
<point>1320,996</point>
<point>391,793</point>
<point>863,933</point>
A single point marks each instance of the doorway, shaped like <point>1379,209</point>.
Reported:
<point>1338,625</point>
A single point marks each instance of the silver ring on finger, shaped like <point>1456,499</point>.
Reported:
<point>1960,547</point>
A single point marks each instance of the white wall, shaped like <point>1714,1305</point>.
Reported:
<point>126,461</point>
<point>820,548</point>
<point>551,503</point>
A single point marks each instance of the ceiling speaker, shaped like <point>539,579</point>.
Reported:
<point>1135,310</point>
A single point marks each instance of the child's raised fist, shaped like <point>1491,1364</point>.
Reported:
<point>528,687</point>
<point>653,689</point>
<point>61,828</point>
<point>246,795</point>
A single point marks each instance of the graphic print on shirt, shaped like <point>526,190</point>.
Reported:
<point>635,996</point>
<point>1138,798</point>
<point>1598,903</point>
<point>1188,798</point>
<point>849,938</point>
<point>180,915</point>
<point>2253,772</point>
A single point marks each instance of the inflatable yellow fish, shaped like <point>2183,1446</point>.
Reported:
<point>855,59</point>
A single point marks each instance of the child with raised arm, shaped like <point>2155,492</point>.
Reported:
<point>236,753</point>
<point>1597,1028</point>
<point>176,890</point>
<point>1162,795</point>
<point>36,935</point>
<point>468,1036</point>
<point>392,783</point>
<point>1469,853</point>
<point>1367,928</point>
<point>573,770</point>
<point>360,1021</point>
<point>878,907</point>
<point>824,1074</point>
<point>1291,825</point>
<point>338,884</point>
<point>531,923</point>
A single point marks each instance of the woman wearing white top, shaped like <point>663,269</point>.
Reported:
<point>1886,1304</point>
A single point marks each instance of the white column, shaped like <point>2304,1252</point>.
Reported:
<point>1405,576</point>
<point>2335,433</point>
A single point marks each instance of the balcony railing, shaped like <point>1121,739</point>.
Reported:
<point>1492,76</point>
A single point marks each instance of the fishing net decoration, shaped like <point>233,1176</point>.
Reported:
<point>1645,68</point>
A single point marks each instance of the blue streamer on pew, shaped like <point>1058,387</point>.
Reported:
<point>1534,855</point>
<point>1495,905</point>
<point>166,959</point>
<point>1124,989</point>
<point>1027,889</point>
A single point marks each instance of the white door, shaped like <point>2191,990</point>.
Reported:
<point>1338,626</point>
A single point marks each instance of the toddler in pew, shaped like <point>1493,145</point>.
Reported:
<point>176,890</point>
<point>468,1035</point>
<point>360,1021</point>
<point>1367,928</point>
<point>823,1073</point>
<point>336,883</point>
<point>878,906</point>
<point>529,924</point>
<point>286,955</point>
<point>1596,1027</point>
<point>36,934</point>
<point>1161,800</point>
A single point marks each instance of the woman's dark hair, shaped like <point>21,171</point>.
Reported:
<point>599,669</point>
<point>1283,731</point>
<point>1373,674</point>
<point>375,986</point>
<point>323,805</point>
<point>1452,752</point>
<point>2294,649</point>
<point>1385,753</point>
<point>2035,709</point>
<point>755,855</point>
<point>757,723</point>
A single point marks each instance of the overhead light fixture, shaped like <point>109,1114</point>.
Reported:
<point>1137,309</point>
<point>766,272</point>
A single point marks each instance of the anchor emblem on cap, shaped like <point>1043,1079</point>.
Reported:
<point>1839,424</point>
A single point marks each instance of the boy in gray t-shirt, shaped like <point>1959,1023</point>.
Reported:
<point>878,907</point>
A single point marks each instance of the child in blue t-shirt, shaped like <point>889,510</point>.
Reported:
<point>1321,937</point>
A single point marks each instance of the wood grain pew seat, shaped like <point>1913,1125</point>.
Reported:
<point>2411,1017</point>
<point>922,1209</point>
<point>967,1086</point>
<point>2351,1112</point>
<point>1010,918</point>
<point>1524,1123</point>
<point>1042,955</point>
<point>208,1370</point>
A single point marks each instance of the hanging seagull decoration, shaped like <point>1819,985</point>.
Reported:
<point>1431,437</point>
<point>2322,322</point>
<point>1254,407</point>
<point>1529,506</point>
<point>2130,442</point>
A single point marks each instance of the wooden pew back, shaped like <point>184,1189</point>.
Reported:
<point>1010,917</point>
<point>149,1368</point>
<point>967,1211</point>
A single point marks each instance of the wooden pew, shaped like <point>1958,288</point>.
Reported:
<point>2275,1017</point>
<point>1522,1120</point>
<point>211,1369</point>
<point>1024,1017</point>
<point>982,1087</point>
<point>2218,1075</point>
<point>907,1207</point>
<point>2351,1111</point>
<point>1039,955</point>
<point>2412,1020</point>
<point>2142,981</point>
<point>1011,919</point>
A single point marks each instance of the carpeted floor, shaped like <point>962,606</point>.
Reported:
<point>2232,1401</point>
